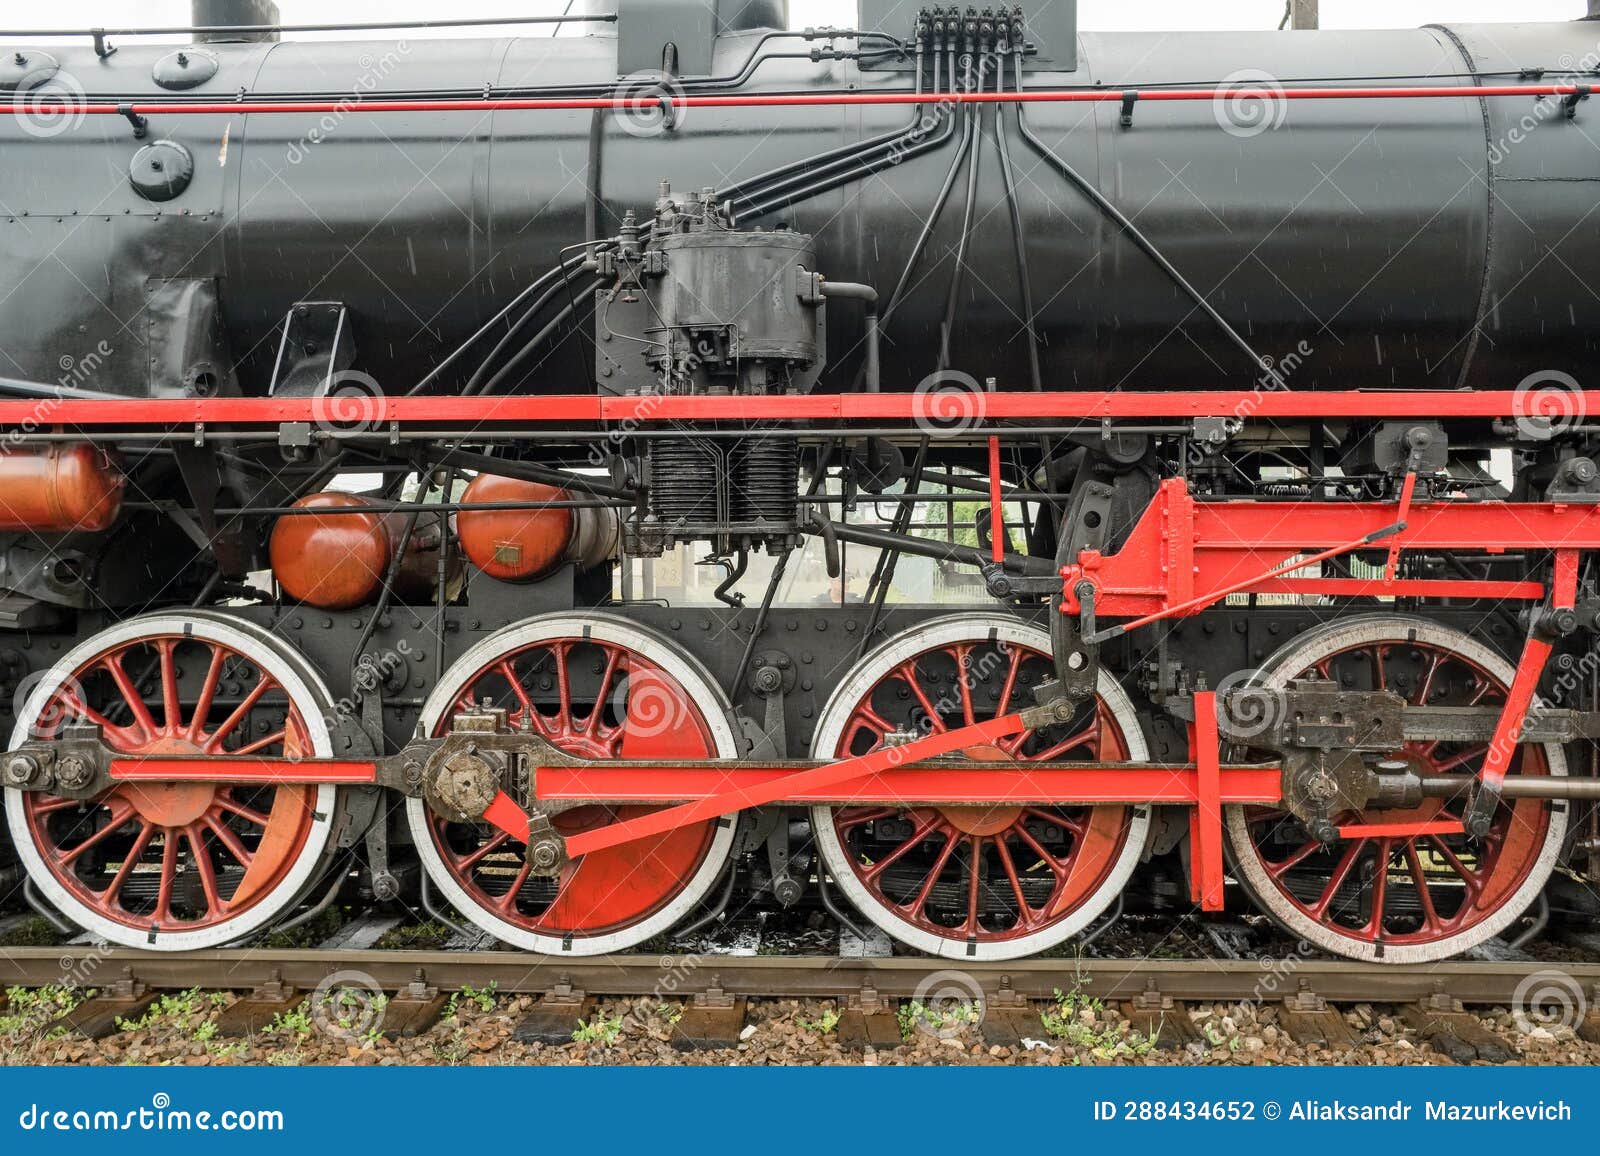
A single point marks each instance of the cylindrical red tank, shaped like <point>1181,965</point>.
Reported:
<point>526,545</point>
<point>337,560</point>
<point>334,560</point>
<point>59,488</point>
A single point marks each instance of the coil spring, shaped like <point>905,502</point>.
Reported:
<point>685,477</point>
<point>766,478</point>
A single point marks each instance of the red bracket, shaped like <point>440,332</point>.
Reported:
<point>1205,827</point>
<point>1530,668</point>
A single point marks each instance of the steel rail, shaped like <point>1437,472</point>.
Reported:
<point>685,975</point>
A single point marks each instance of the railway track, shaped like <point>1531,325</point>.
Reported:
<point>512,972</point>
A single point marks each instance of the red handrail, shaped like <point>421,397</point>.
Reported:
<point>666,98</point>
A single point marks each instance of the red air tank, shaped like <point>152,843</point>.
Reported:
<point>337,560</point>
<point>59,488</point>
<point>526,545</point>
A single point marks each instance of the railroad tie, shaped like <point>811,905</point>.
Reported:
<point>558,1014</point>
<point>96,1018</point>
<point>1308,1019</point>
<point>255,1012</point>
<point>1161,1020</point>
<point>414,1009</point>
<point>1454,1032</point>
<point>713,1019</point>
<point>867,1020</point>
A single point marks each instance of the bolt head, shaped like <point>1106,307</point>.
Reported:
<point>73,771</point>
<point>20,770</point>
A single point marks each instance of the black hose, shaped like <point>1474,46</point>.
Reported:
<point>1019,243</point>
<point>483,330</point>
<point>956,276</point>
<point>1147,246</point>
<point>737,191</point>
<point>475,384</point>
<point>539,339</point>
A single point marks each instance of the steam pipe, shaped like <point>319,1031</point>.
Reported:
<point>866,293</point>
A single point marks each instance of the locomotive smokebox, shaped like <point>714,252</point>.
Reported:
<point>232,14</point>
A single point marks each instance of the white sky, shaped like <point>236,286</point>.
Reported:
<point>1093,14</point>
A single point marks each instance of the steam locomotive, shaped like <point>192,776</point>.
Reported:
<point>1134,472</point>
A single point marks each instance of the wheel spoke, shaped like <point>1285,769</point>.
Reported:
<point>1425,687</point>
<point>233,806</point>
<point>137,711</point>
<point>974,855</point>
<point>261,743</point>
<point>917,904</point>
<point>229,840</point>
<point>509,900</point>
<point>113,891</point>
<point>918,834</point>
<point>1002,705</point>
<point>213,744</point>
<point>563,687</point>
<point>171,721</point>
<point>963,656</point>
<point>208,692</point>
<point>1430,917</point>
<point>113,824</point>
<point>1087,737</point>
<point>1380,885</point>
<point>169,874</point>
<point>1024,912</point>
<point>524,703</point>
<point>195,837</point>
<point>1050,861</point>
<point>613,657</point>
<point>1472,880</point>
<point>468,862</point>
<point>1276,870</point>
<point>1335,881</point>
<point>908,673</point>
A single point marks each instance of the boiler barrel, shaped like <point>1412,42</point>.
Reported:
<point>1373,243</point>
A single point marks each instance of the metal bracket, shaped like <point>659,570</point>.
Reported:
<point>141,126</point>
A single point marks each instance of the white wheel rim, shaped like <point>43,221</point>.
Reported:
<point>603,628</point>
<point>303,689</point>
<point>1340,636</point>
<point>841,705</point>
